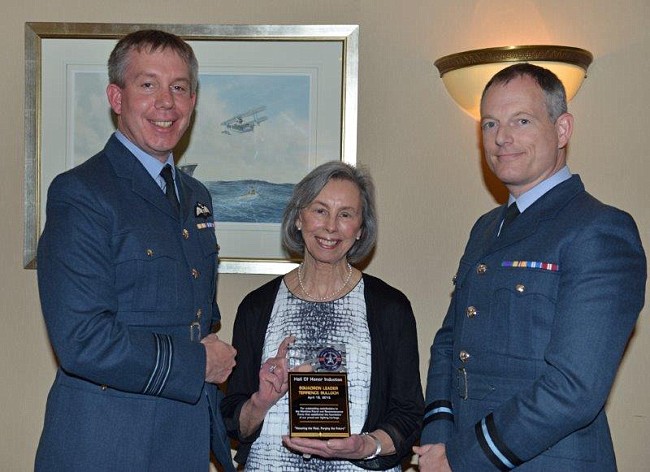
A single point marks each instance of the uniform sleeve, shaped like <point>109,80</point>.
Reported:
<point>603,274</point>
<point>77,284</point>
<point>438,412</point>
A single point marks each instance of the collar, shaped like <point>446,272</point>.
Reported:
<point>150,163</point>
<point>531,196</point>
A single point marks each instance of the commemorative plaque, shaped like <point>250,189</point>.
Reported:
<point>318,393</point>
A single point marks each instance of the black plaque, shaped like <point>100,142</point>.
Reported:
<point>318,405</point>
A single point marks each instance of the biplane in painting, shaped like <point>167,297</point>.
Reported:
<point>244,122</point>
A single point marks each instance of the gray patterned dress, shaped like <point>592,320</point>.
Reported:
<point>337,322</point>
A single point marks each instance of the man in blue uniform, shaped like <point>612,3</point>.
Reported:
<point>127,281</point>
<point>546,297</point>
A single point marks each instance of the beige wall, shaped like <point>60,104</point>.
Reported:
<point>420,147</point>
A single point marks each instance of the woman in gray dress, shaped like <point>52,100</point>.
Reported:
<point>330,222</point>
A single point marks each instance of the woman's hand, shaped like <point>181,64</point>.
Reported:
<point>354,447</point>
<point>273,376</point>
<point>273,384</point>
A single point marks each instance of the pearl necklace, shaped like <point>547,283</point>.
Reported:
<point>326,297</point>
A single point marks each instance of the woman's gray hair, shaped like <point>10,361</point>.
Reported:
<point>308,189</point>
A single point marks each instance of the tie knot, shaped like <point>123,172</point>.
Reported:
<point>511,213</point>
<point>166,174</point>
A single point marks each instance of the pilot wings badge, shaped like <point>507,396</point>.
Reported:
<point>202,210</point>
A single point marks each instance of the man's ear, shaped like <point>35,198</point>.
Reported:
<point>114,94</point>
<point>564,129</point>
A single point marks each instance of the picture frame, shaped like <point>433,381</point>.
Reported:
<point>274,102</point>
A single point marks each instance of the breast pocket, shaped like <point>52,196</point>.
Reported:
<point>146,270</point>
<point>208,240</point>
<point>209,253</point>
<point>464,267</point>
<point>524,304</point>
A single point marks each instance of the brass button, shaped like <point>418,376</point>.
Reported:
<point>471,312</point>
<point>186,234</point>
<point>195,273</point>
<point>521,288</point>
<point>464,356</point>
<point>149,252</point>
<point>199,312</point>
<point>103,387</point>
<point>481,269</point>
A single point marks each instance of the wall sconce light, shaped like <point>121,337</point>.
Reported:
<point>466,73</point>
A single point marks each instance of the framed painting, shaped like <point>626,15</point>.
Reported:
<point>274,101</point>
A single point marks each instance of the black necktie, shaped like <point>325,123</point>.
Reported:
<point>511,213</point>
<point>170,190</point>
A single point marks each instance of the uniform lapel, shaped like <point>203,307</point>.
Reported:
<point>186,196</point>
<point>126,166</point>
<point>526,225</point>
<point>484,240</point>
<point>542,212</point>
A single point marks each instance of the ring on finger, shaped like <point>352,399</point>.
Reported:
<point>272,368</point>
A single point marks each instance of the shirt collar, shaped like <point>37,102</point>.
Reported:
<point>526,199</point>
<point>150,163</point>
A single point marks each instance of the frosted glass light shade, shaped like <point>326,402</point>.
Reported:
<point>466,73</point>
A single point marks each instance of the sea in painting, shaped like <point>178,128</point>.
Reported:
<point>249,201</point>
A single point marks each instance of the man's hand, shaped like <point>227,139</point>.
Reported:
<point>219,359</point>
<point>432,458</point>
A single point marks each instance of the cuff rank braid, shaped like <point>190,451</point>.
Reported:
<point>160,372</point>
<point>495,450</point>
<point>438,410</point>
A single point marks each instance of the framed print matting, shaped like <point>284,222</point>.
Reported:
<point>274,101</point>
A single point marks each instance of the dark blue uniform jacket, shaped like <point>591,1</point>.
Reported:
<point>521,369</point>
<point>121,280</point>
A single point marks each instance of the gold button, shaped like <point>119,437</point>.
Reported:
<point>521,288</point>
<point>149,252</point>
<point>199,312</point>
<point>186,234</point>
<point>195,273</point>
<point>104,387</point>
<point>471,312</point>
<point>481,269</point>
<point>464,356</point>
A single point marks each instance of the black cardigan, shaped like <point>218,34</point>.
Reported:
<point>395,405</point>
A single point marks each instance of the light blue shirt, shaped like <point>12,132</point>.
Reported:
<point>526,199</point>
<point>150,163</point>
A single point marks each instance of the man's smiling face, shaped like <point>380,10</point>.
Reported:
<point>522,145</point>
<point>155,106</point>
